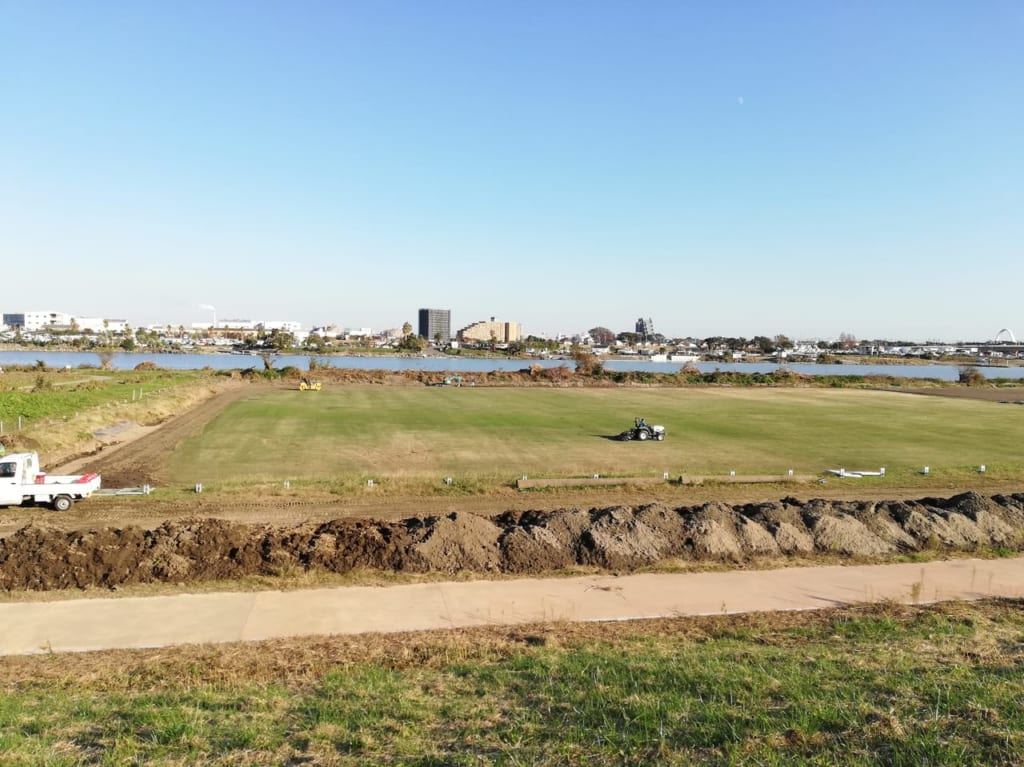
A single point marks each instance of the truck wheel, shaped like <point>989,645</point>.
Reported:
<point>62,503</point>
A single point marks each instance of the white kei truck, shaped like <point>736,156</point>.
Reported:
<point>21,482</point>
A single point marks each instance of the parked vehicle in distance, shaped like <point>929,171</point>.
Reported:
<point>22,483</point>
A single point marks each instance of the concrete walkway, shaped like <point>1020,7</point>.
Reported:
<point>132,622</point>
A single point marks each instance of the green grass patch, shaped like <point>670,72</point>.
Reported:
<point>485,436</point>
<point>33,394</point>
<point>938,686</point>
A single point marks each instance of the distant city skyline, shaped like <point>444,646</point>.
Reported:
<point>803,169</point>
<point>434,320</point>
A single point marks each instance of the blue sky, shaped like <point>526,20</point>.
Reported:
<point>725,168</point>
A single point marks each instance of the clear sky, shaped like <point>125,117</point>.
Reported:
<point>725,168</point>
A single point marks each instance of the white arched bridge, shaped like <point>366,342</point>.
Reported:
<point>1005,335</point>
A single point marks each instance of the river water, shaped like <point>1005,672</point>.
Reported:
<point>127,361</point>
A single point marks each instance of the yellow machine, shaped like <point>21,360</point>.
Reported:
<point>307,385</point>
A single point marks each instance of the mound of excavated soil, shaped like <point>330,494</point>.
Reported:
<point>620,538</point>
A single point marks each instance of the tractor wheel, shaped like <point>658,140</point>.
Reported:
<point>661,437</point>
<point>643,434</point>
<point>62,502</point>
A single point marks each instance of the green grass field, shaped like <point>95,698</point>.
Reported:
<point>868,686</point>
<point>487,435</point>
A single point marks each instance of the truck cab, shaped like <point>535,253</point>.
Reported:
<point>16,470</point>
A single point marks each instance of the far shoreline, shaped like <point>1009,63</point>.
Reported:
<point>826,358</point>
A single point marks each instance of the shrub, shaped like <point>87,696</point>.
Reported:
<point>971,376</point>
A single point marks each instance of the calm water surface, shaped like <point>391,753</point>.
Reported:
<point>127,361</point>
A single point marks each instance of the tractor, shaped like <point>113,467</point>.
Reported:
<point>643,432</point>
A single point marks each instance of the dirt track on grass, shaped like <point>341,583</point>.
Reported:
<point>619,538</point>
<point>144,463</point>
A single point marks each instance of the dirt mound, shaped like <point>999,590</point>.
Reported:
<point>38,557</point>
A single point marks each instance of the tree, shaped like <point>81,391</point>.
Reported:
<point>314,341</point>
<point>406,328</point>
<point>847,340</point>
<point>737,344</point>
<point>764,344</point>
<point>587,364</point>
<point>601,336</point>
<point>279,339</point>
<point>783,342</point>
<point>412,343</point>
<point>971,376</point>
<point>628,338</point>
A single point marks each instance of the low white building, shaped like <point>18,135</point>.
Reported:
<point>235,325</point>
<point>46,321</point>
<point>89,324</point>
<point>285,325</point>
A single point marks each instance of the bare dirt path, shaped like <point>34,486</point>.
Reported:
<point>151,445</point>
<point>87,625</point>
<point>1006,394</point>
<point>149,512</point>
